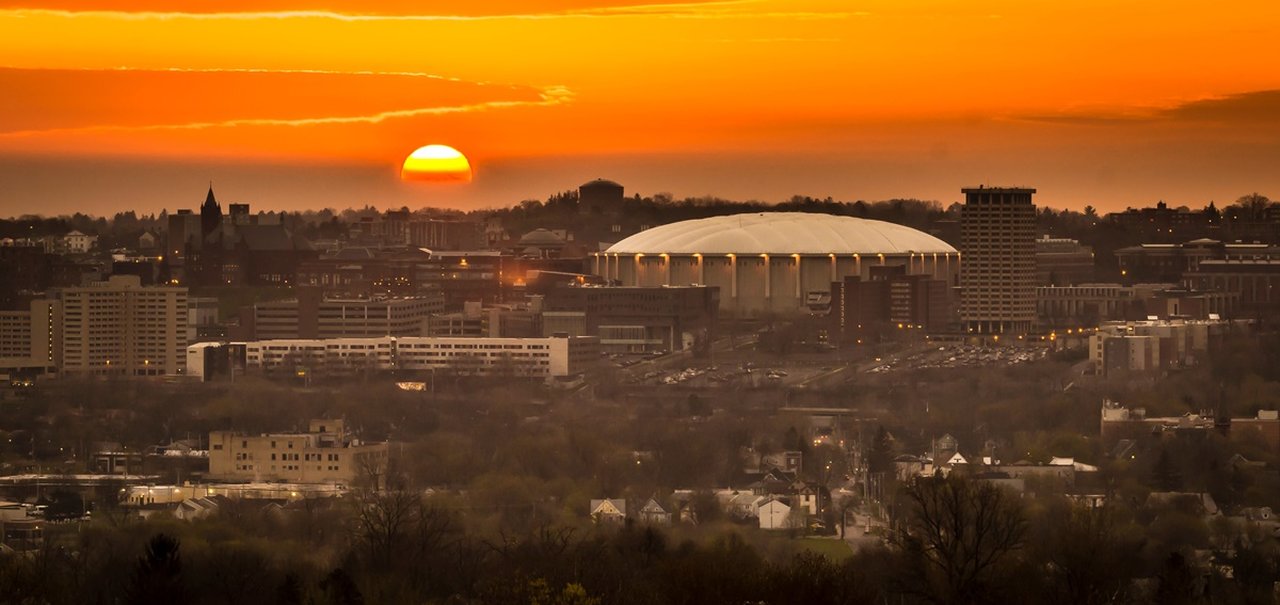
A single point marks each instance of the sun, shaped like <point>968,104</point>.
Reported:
<point>437,164</point>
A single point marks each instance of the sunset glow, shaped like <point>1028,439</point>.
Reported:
<point>436,164</point>
<point>1096,102</point>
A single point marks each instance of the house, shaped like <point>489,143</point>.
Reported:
<point>652,513</point>
<point>908,467</point>
<point>773,481</point>
<point>775,514</point>
<point>78,242</point>
<point>198,508</point>
<point>1197,503</point>
<point>812,497</point>
<point>609,510</point>
<point>739,504</point>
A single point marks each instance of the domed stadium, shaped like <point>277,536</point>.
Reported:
<point>774,262</point>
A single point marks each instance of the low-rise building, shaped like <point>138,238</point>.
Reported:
<point>633,319</point>
<point>517,357</point>
<point>1063,261</point>
<point>1122,423</point>
<point>326,453</point>
<point>313,315</point>
<point>1154,345</point>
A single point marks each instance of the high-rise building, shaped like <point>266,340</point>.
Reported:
<point>120,328</point>
<point>998,267</point>
<point>31,338</point>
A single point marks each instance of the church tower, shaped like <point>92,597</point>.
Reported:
<point>210,215</point>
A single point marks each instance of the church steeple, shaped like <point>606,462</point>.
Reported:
<point>209,200</point>
<point>210,214</point>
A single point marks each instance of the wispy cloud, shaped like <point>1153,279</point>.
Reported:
<point>723,9</point>
<point>780,40</point>
<point>28,115</point>
<point>1255,107</point>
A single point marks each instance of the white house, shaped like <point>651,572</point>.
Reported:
<point>76,241</point>
<point>775,514</point>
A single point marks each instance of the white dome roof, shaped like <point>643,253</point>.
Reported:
<point>781,233</point>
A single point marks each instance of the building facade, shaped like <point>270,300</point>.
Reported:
<point>771,263</point>
<point>515,357</point>
<point>998,275</point>
<point>324,454</point>
<point>31,338</point>
<point>313,315</point>
<point>635,319</point>
<point>120,328</point>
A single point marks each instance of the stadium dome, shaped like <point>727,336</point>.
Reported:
<point>776,262</point>
<point>781,233</point>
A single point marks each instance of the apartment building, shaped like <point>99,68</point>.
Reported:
<point>120,328</point>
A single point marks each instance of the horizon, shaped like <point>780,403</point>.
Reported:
<point>300,104</point>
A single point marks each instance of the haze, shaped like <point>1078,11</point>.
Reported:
<point>292,104</point>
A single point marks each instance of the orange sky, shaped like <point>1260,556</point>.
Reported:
<point>306,103</point>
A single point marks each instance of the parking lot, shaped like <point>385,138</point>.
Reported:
<point>963,356</point>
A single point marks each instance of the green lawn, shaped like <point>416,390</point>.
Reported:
<point>833,548</point>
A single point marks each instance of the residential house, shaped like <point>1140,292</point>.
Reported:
<point>198,508</point>
<point>774,513</point>
<point>652,513</point>
<point>609,510</point>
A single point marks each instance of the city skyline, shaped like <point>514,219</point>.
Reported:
<point>294,104</point>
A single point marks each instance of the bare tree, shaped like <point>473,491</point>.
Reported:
<point>1252,207</point>
<point>956,536</point>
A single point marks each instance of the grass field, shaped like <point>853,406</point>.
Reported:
<point>833,548</point>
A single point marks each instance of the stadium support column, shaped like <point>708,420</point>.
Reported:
<point>798,286</point>
<point>666,268</point>
<point>768,281</point>
<point>702,270</point>
<point>834,272</point>
<point>733,276</point>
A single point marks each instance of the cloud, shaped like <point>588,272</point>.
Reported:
<point>1260,107</point>
<point>55,101</point>
<point>438,10</point>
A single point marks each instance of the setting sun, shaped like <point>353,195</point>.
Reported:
<point>436,163</point>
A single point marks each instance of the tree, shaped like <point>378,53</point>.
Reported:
<point>957,536</point>
<point>1178,581</point>
<point>1252,207</point>
<point>338,588</point>
<point>1164,474</point>
<point>1091,558</point>
<point>880,460</point>
<point>290,591</point>
<point>157,577</point>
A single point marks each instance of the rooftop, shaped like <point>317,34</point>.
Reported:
<point>781,233</point>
